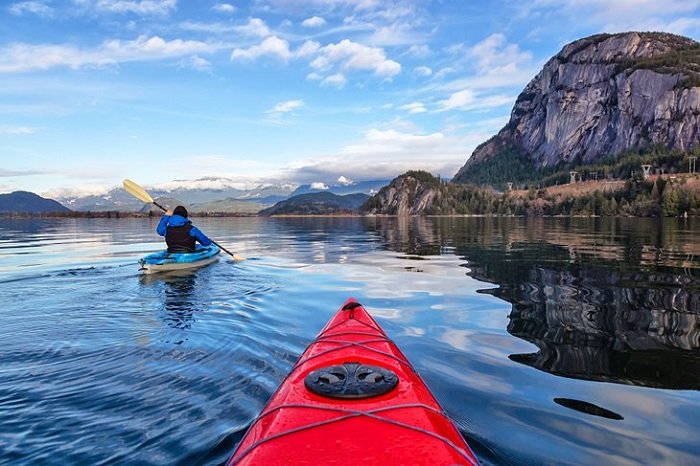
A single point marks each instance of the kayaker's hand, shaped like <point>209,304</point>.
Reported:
<point>169,212</point>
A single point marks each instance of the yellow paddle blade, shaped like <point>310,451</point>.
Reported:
<point>137,191</point>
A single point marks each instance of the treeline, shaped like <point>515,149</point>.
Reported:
<point>73,214</point>
<point>668,196</point>
<point>511,166</point>
<point>114,214</point>
<point>664,197</point>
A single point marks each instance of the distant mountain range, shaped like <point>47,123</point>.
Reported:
<point>191,193</point>
<point>214,194</point>
<point>370,188</point>
<point>23,201</point>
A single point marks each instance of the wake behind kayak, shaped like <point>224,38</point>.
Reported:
<point>352,398</point>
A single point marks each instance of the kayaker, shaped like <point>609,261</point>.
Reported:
<point>180,234</point>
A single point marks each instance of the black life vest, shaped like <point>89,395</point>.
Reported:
<point>178,239</point>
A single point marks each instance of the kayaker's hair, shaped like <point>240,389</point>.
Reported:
<point>181,211</point>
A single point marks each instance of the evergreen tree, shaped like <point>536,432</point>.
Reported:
<point>671,202</point>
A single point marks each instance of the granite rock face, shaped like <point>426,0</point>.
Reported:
<point>602,95</point>
<point>412,193</point>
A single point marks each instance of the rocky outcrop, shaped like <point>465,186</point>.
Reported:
<point>413,193</point>
<point>603,95</point>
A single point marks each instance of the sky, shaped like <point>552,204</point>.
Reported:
<point>275,91</point>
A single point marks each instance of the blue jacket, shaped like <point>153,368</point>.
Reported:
<point>178,221</point>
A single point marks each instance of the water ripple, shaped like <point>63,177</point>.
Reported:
<point>512,323</point>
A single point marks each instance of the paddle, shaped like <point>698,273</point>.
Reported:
<point>140,193</point>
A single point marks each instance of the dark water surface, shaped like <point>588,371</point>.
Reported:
<point>556,341</point>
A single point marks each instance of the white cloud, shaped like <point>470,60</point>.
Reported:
<point>379,141</point>
<point>414,107</point>
<point>26,57</point>
<point>368,6</point>
<point>5,129</point>
<point>335,80</point>
<point>211,28</point>
<point>76,192</point>
<point>279,114</point>
<point>635,8</point>
<point>197,63</point>
<point>495,56</point>
<point>224,8</point>
<point>518,79</point>
<point>13,173</point>
<point>399,33</point>
<point>467,99</point>
<point>345,181</point>
<point>494,63</point>
<point>681,25</point>
<point>330,63</point>
<point>459,99</point>
<point>420,51</point>
<point>625,15</point>
<point>155,47</point>
<point>143,7</point>
<point>455,49</point>
<point>386,153</point>
<point>286,106</point>
<point>270,46</point>
<point>213,183</point>
<point>442,72</point>
<point>245,171</point>
<point>313,22</point>
<point>349,55</point>
<point>33,7</point>
<point>319,185</point>
<point>423,70</point>
<point>308,48</point>
<point>255,27</point>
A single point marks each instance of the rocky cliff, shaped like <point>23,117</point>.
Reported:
<point>600,96</point>
<point>413,193</point>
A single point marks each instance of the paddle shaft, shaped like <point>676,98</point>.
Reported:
<point>219,246</point>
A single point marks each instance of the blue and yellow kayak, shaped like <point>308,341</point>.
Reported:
<point>164,261</point>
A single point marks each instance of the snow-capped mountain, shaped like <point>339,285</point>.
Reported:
<point>209,191</point>
<point>343,186</point>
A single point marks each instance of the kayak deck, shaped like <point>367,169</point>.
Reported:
<point>403,425</point>
<point>163,261</point>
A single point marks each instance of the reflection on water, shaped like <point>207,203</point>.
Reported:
<point>607,328</point>
<point>179,303</point>
<point>612,301</point>
<point>555,341</point>
<point>588,408</point>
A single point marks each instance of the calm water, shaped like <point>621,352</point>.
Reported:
<point>548,341</point>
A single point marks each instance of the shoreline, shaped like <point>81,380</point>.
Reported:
<point>120,215</point>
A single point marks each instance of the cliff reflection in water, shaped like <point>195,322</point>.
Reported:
<point>599,328</point>
<point>615,301</point>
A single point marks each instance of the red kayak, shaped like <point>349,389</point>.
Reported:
<point>352,398</point>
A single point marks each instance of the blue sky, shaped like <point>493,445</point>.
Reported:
<point>94,91</point>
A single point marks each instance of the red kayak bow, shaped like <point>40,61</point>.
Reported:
<point>352,398</point>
